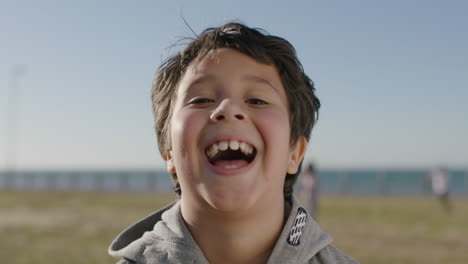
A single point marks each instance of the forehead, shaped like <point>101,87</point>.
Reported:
<point>227,65</point>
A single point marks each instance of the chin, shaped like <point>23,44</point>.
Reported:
<point>231,201</point>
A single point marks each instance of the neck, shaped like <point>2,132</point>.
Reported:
<point>235,237</point>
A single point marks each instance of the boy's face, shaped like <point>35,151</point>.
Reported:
<point>230,133</point>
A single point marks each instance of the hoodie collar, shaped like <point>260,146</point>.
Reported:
<point>165,232</point>
<point>301,238</point>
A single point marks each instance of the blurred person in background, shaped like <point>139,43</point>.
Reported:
<point>309,190</point>
<point>440,186</point>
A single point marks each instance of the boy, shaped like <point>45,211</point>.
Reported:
<point>233,111</point>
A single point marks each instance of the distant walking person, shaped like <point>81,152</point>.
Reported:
<point>309,190</point>
<point>440,186</point>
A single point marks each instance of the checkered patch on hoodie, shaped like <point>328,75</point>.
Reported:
<point>298,225</point>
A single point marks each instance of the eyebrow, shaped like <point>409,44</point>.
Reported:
<point>249,77</point>
<point>259,79</point>
<point>202,79</point>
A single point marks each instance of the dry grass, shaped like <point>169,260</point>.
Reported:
<point>78,227</point>
<point>67,227</point>
<point>397,230</point>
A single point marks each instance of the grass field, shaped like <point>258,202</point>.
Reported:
<point>39,227</point>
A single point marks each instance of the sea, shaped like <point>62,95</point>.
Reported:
<point>414,182</point>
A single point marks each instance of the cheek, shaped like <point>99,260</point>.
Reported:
<point>274,124</point>
<point>183,131</point>
<point>275,129</point>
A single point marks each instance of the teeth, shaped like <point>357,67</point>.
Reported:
<point>223,145</point>
<point>248,150</point>
<point>233,144</point>
<point>212,150</point>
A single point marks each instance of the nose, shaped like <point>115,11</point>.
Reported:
<point>227,110</point>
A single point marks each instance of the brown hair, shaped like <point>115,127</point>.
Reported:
<point>259,45</point>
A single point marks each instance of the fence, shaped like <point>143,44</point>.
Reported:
<point>348,182</point>
<point>86,181</point>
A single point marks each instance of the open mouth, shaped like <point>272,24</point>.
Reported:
<point>232,150</point>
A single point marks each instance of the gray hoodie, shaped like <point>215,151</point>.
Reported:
<point>163,237</point>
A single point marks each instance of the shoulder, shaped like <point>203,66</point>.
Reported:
<point>161,237</point>
<point>331,254</point>
<point>131,244</point>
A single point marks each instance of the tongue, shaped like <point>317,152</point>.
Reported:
<point>233,164</point>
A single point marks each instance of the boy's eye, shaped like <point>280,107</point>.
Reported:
<point>201,101</point>
<point>256,101</point>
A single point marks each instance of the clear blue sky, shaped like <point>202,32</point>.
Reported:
<point>392,77</point>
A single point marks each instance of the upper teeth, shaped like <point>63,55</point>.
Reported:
<point>232,144</point>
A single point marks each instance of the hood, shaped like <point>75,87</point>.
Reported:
<point>163,237</point>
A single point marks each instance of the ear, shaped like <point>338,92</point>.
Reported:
<point>296,155</point>
<point>170,165</point>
